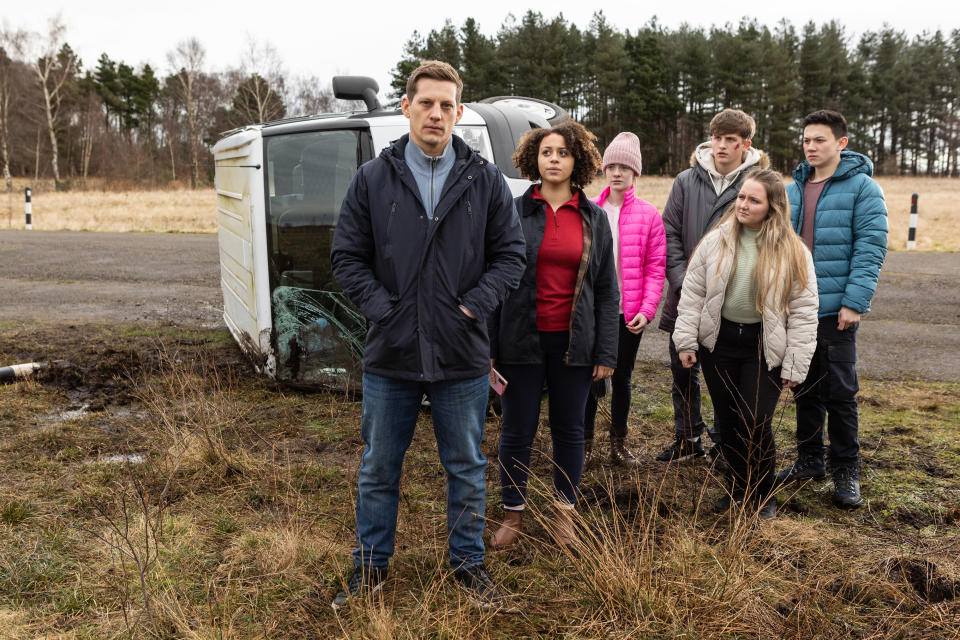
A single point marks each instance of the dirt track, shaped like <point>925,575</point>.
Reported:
<point>74,278</point>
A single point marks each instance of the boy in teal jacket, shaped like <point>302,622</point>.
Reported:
<point>839,212</point>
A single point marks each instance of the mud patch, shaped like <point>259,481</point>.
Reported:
<point>925,578</point>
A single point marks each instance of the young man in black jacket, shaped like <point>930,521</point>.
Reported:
<point>699,197</point>
<point>427,244</point>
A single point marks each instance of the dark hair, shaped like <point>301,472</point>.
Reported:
<point>580,143</point>
<point>435,70</point>
<point>733,121</point>
<point>833,119</point>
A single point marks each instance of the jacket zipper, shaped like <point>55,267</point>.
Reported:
<point>433,170</point>
<point>581,276</point>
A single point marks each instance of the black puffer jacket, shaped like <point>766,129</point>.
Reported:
<point>594,331</point>
<point>693,208</point>
<point>409,274</point>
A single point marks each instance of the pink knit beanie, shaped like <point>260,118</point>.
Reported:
<point>625,150</point>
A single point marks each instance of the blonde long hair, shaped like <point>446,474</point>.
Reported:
<point>781,261</point>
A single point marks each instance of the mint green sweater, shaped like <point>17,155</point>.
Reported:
<point>740,299</point>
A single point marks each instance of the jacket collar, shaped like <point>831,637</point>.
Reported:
<point>531,206</point>
<point>628,197</point>
<point>851,163</point>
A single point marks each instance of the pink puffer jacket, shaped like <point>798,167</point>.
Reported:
<point>643,255</point>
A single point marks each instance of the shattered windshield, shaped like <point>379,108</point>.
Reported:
<point>319,335</point>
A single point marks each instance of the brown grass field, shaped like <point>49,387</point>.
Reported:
<point>194,211</point>
<point>231,516</point>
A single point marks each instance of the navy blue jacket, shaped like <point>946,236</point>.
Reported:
<point>849,232</point>
<point>594,321</point>
<point>408,274</point>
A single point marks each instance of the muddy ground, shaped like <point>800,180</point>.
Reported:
<point>75,279</point>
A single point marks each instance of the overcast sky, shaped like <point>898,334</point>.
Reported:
<point>367,37</point>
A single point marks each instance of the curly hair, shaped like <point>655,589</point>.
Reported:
<point>580,144</point>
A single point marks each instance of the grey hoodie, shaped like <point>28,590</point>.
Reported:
<point>697,201</point>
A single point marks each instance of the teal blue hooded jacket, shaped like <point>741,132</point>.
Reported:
<point>849,235</point>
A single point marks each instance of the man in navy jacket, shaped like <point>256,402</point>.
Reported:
<point>427,244</point>
<point>839,212</point>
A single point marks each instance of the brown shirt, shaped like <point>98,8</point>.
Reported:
<point>811,194</point>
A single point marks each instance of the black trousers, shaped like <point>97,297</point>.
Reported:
<point>745,396</point>
<point>687,419</point>
<point>620,384</point>
<point>829,394</point>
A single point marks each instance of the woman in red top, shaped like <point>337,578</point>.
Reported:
<point>560,325</point>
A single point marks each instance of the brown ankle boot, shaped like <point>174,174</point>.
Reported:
<point>561,527</point>
<point>588,460</point>
<point>509,532</point>
<point>620,455</point>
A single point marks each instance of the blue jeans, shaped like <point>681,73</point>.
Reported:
<point>390,409</point>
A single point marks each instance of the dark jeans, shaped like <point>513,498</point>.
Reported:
<point>620,383</point>
<point>829,394</point>
<point>687,421</point>
<point>744,395</point>
<point>390,409</point>
<point>568,388</point>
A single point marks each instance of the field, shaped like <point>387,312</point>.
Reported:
<point>188,211</point>
<point>153,488</point>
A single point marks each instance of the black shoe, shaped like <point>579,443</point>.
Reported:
<point>727,500</point>
<point>479,587</point>
<point>805,468</point>
<point>767,508</point>
<point>715,456</point>
<point>682,449</point>
<point>369,579</point>
<point>846,487</point>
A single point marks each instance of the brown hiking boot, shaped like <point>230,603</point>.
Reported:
<point>509,532</point>
<point>621,456</point>
<point>561,527</point>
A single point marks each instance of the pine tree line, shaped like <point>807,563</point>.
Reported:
<point>900,94</point>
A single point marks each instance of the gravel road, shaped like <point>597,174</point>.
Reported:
<point>74,278</point>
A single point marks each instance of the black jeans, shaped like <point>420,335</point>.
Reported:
<point>627,348</point>
<point>829,394</point>
<point>687,421</point>
<point>568,388</point>
<point>745,396</point>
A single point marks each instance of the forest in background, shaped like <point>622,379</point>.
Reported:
<point>145,126</point>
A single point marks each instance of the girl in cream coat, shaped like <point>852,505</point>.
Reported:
<point>748,308</point>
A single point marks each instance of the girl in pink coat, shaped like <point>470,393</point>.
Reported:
<point>640,247</point>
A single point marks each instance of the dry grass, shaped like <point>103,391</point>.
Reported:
<point>245,503</point>
<point>194,211</point>
<point>174,210</point>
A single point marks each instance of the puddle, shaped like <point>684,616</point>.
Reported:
<point>130,458</point>
<point>74,414</point>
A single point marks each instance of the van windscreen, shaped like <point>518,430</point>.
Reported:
<point>319,335</point>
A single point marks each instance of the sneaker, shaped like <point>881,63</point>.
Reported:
<point>682,449</point>
<point>805,468</point>
<point>479,587</point>
<point>370,579</point>
<point>846,488</point>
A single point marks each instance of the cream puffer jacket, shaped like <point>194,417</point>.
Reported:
<point>789,340</point>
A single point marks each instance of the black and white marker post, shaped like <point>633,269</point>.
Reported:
<point>912,236</point>
<point>27,208</point>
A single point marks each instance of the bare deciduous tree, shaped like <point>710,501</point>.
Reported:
<point>11,42</point>
<point>54,63</point>
<point>186,62</point>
